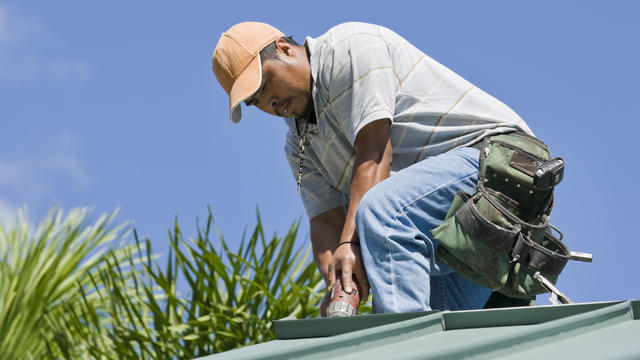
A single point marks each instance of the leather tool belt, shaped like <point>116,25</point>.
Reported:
<point>500,237</point>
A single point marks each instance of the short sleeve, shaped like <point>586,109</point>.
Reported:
<point>363,83</point>
<point>317,194</point>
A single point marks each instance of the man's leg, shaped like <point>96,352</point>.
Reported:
<point>393,222</point>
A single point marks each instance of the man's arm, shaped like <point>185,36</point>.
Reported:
<point>373,154</point>
<point>326,229</point>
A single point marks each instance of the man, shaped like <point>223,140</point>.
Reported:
<point>361,104</point>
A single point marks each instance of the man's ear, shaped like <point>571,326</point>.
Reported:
<point>283,46</point>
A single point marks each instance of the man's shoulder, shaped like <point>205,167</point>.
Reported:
<point>348,29</point>
<point>344,38</point>
<point>352,27</point>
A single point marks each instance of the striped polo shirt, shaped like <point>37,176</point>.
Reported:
<point>362,73</point>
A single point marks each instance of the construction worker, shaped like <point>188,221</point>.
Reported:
<point>381,137</point>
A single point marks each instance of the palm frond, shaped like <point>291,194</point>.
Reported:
<point>42,272</point>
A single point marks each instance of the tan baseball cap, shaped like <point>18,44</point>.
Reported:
<point>236,61</point>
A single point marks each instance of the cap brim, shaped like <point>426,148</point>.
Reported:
<point>245,85</point>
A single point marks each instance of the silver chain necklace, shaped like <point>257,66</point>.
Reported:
<point>303,139</point>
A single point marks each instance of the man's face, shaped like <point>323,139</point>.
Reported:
<point>286,83</point>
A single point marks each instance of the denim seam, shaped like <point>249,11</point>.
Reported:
<point>402,210</point>
<point>391,271</point>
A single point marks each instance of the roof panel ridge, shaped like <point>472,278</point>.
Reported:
<point>527,337</point>
<point>329,347</point>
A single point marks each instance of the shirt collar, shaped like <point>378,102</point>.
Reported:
<point>314,46</point>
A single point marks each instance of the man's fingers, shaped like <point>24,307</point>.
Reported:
<point>332,276</point>
<point>325,304</point>
<point>364,284</point>
<point>346,279</point>
<point>361,276</point>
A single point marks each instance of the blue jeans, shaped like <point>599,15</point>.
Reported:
<point>393,222</point>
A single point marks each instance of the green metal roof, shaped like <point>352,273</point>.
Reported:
<point>587,331</point>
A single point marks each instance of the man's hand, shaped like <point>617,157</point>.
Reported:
<point>347,258</point>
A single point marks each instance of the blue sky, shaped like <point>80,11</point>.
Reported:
<point>113,104</point>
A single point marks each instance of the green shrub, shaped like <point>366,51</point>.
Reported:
<point>231,297</point>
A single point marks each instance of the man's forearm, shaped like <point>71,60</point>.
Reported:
<point>325,230</point>
<point>366,174</point>
<point>372,165</point>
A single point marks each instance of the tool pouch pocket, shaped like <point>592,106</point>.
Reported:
<point>500,236</point>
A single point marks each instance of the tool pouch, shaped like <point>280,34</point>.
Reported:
<point>500,236</point>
